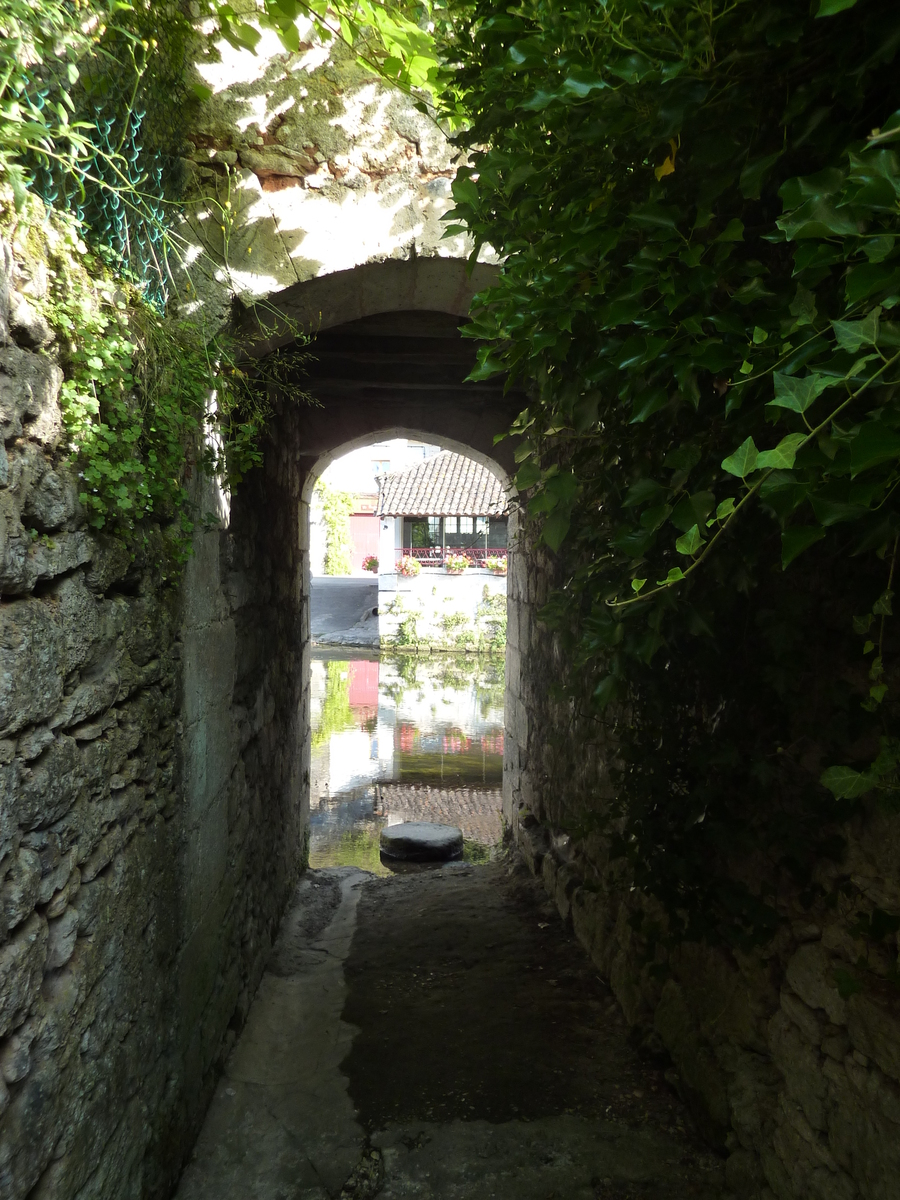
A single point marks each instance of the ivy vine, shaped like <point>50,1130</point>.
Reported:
<point>698,207</point>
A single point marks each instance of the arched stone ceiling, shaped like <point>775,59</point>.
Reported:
<point>444,285</point>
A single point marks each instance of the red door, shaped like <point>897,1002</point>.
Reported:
<point>363,538</point>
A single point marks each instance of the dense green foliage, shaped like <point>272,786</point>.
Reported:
<point>391,38</point>
<point>336,507</point>
<point>37,40</point>
<point>698,201</point>
<point>146,399</point>
<point>93,106</point>
<point>94,109</point>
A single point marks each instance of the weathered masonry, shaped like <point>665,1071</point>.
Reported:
<point>794,1080</point>
<point>154,739</point>
<point>155,752</point>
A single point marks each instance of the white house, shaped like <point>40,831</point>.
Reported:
<point>357,474</point>
<point>442,555</point>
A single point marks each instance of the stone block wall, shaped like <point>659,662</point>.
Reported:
<point>89,886</point>
<point>797,1085</point>
<point>152,800</point>
<point>442,611</point>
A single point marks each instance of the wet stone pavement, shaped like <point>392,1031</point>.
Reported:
<point>440,1035</point>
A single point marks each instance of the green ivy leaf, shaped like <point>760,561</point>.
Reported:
<point>690,542</point>
<point>562,487</point>
<point>733,231</point>
<point>527,475</point>
<point>648,403</point>
<point>754,173</point>
<point>798,394</point>
<point>653,517</point>
<point>883,605</point>
<point>782,457</point>
<point>797,539</point>
<point>542,502</point>
<point>803,307</point>
<point>555,528</point>
<point>873,444</point>
<point>851,335</point>
<point>828,8</point>
<point>581,82</point>
<point>847,983</point>
<point>606,691</point>
<point>641,492</point>
<point>675,575</point>
<point>637,584</point>
<point>743,462</point>
<point>846,784</point>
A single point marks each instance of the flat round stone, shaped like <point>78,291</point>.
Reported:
<point>422,841</point>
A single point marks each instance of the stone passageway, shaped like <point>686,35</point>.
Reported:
<point>432,1035</point>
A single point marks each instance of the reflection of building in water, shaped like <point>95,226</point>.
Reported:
<point>344,717</point>
<point>379,727</point>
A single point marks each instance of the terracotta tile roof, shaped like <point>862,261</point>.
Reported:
<point>446,485</point>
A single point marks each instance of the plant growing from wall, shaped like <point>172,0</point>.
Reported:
<point>145,399</point>
<point>336,507</point>
<point>490,615</point>
<point>698,205</point>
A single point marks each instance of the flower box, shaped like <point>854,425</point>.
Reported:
<point>408,566</point>
<point>455,564</point>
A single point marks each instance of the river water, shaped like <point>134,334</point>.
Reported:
<point>399,738</point>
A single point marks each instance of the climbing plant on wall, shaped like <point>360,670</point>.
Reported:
<point>95,102</point>
<point>392,38</point>
<point>698,204</point>
<point>336,507</point>
<point>93,106</point>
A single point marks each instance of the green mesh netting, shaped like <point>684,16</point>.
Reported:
<point>131,90</point>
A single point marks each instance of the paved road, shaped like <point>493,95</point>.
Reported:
<point>338,604</point>
<point>439,1036</point>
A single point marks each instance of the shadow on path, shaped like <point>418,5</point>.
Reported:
<point>440,1037</point>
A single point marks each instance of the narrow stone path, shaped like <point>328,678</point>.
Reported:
<point>439,1035</point>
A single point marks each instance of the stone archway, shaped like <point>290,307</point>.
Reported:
<point>445,285</point>
<point>403,431</point>
<point>388,356</point>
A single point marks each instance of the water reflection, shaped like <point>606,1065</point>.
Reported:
<point>403,738</point>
